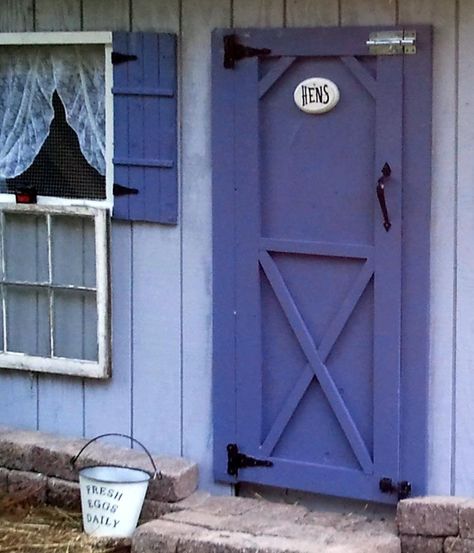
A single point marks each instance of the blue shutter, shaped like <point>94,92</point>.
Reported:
<point>145,155</point>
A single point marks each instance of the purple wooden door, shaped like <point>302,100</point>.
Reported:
<point>312,307</point>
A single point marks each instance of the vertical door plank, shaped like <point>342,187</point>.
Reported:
<point>60,398</point>
<point>108,404</point>
<point>18,390</point>
<point>157,300</point>
<point>307,13</point>
<point>58,15</point>
<point>113,15</point>
<point>266,13</point>
<point>464,442</point>
<point>368,12</point>
<point>199,17</point>
<point>157,16</point>
<point>442,15</point>
<point>388,269</point>
<point>263,13</point>
<point>16,16</point>
<point>416,247</point>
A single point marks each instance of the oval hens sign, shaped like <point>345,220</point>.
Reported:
<point>316,95</point>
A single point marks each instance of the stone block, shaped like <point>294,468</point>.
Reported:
<point>52,455</point>
<point>3,480</point>
<point>16,449</point>
<point>466,519</point>
<point>164,536</point>
<point>458,545</point>
<point>148,539</point>
<point>63,493</point>
<point>156,509</point>
<point>429,516</point>
<point>421,544</point>
<point>27,486</point>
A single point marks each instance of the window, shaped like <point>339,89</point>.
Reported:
<point>54,289</point>
<point>55,151</point>
<point>85,150</point>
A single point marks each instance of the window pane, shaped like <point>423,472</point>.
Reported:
<point>75,324</point>
<point>26,247</point>
<point>73,250</point>
<point>27,320</point>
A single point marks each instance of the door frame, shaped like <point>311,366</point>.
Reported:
<point>415,282</point>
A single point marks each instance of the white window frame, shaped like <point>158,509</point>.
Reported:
<point>56,364</point>
<point>99,210</point>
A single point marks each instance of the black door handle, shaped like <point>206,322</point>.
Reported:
<point>386,172</point>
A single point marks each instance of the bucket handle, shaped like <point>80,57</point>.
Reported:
<point>156,473</point>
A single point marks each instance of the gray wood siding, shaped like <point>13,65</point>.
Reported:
<point>161,277</point>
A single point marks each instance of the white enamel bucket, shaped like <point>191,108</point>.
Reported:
<point>112,496</point>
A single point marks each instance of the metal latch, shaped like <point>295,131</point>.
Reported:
<point>237,460</point>
<point>390,43</point>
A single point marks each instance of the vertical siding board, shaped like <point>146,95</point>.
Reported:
<point>157,16</point>
<point>157,290</point>
<point>464,442</point>
<point>112,15</point>
<point>18,399</point>
<point>261,13</point>
<point>58,15</point>
<point>17,16</point>
<point>156,339</point>
<point>368,12</point>
<point>199,18</point>
<point>18,390</point>
<point>60,398</point>
<point>108,404</point>
<point>442,15</point>
<point>305,13</point>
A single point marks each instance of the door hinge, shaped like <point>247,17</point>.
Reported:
<point>237,460</point>
<point>390,43</point>
<point>234,51</point>
<point>118,57</point>
<point>402,488</point>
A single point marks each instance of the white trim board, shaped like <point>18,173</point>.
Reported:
<point>52,37</point>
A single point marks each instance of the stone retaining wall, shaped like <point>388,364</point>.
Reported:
<point>37,465</point>
<point>436,525</point>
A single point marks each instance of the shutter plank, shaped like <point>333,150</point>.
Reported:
<point>145,128</point>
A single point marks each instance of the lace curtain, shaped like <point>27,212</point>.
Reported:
<point>28,77</point>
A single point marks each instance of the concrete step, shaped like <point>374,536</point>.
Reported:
<point>239,525</point>
<point>50,455</point>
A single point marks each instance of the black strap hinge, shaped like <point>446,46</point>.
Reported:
<point>234,51</point>
<point>120,190</point>
<point>118,57</point>
<point>237,460</point>
<point>402,488</point>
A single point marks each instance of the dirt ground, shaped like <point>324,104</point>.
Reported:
<point>27,528</point>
